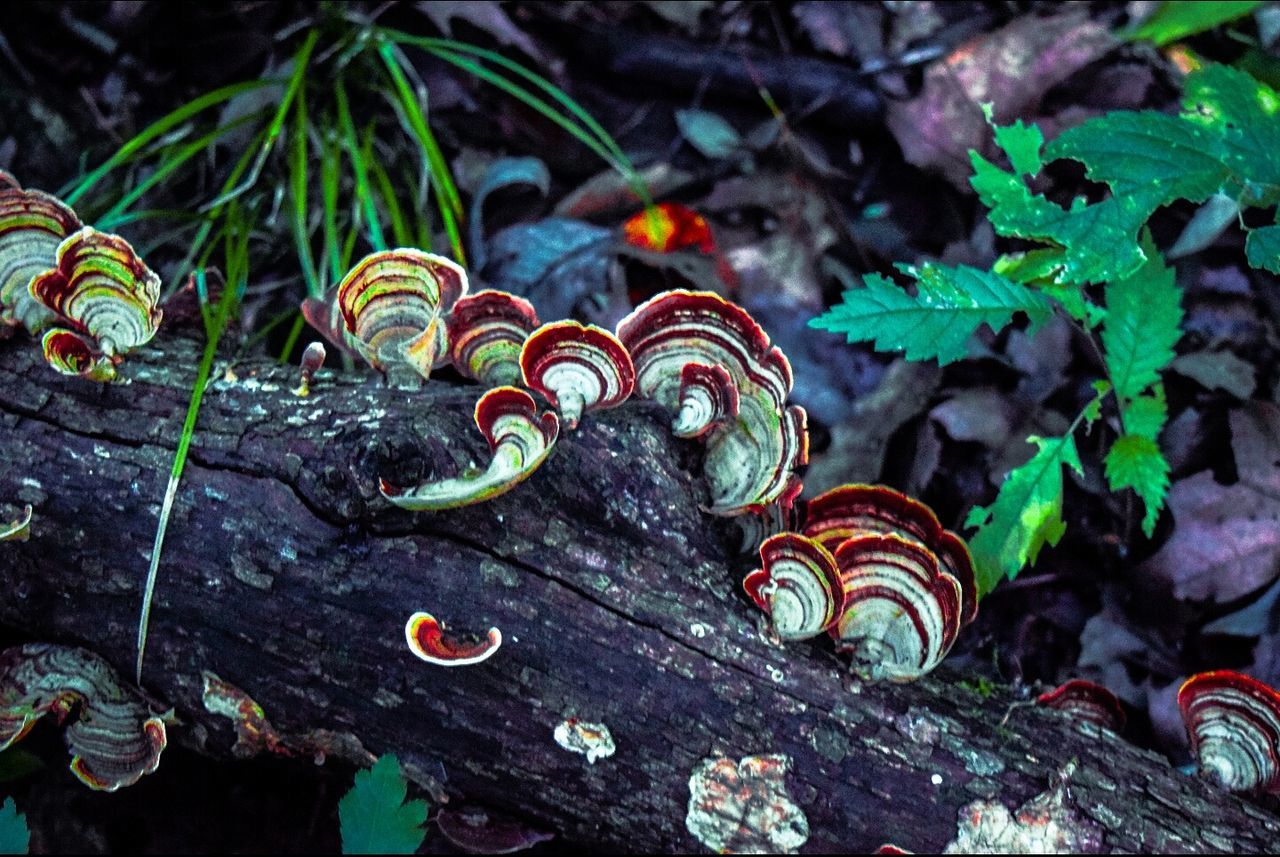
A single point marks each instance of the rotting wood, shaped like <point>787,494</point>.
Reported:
<point>287,574</point>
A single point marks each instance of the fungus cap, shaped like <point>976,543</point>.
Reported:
<point>798,585</point>
<point>854,509</point>
<point>99,286</point>
<point>392,304</point>
<point>901,611</point>
<point>519,438</point>
<point>1087,701</point>
<point>72,354</point>
<point>428,640</point>
<point>32,225</point>
<point>708,398</point>
<point>486,332</point>
<point>578,368</point>
<point>1233,722</point>
<point>18,530</point>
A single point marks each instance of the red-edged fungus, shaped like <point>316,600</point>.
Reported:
<point>1233,722</point>
<point>743,807</point>
<point>254,732</point>
<point>486,332</point>
<point>18,530</point>
<point>520,440</point>
<point>115,738</point>
<point>667,227</point>
<point>72,354</point>
<point>100,287</point>
<point>901,611</point>
<point>592,740</point>
<point>392,305</point>
<point>708,398</point>
<point>32,225</point>
<point>750,461</point>
<point>325,316</point>
<point>798,585</point>
<point>428,640</point>
<point>849,510</point>
<point>312,360</point>
<point>577,368</point>
<point>1084,700</point>
<point>478,830</point>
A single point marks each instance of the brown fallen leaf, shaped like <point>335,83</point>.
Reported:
<point>1011,67</point>
<point>1226,538</point>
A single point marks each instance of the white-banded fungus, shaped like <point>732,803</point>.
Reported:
<point>850,510</point>
<point>577,368</point>
<point>312,360</point>
<point>114,739</point>
<point>393,304</point>
<point>520,440</point>
<point>18,530</point>
<point>798,585</point>
<point>486,332</point>
<point>72,354</point>
<point>32,225</point>
<point>1084,700</point>
<point>428,640</point>
<point>901,613</point>
<point>1233,722</point>
<point>750,460</point>
<point>743,807</point>
<point>254,732</point>
<point>101,288</point>
<point>708,398</point>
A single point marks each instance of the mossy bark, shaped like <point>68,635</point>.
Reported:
<point>289,576</point>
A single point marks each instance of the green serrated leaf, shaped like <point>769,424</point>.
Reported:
<point>1262,247</point>
<point>1136,462</point>
<point>1245,115</point>
<point>374,816</point>
<point>1026,514</point>
<point>1177,19</point>
<point>1161,157</point>
<point>935,324</point>
<point>1145,415</point>
<point>1144,312</point>
<point>1022,143</point>
<point>15,837</point>
<point>1098,241</point>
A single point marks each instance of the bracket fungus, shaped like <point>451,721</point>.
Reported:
<point>750,460</point>
<point>743,807</point>
<point>114,738</point>
<point>798,585</point>
<point>428,640</point>
<point>486,332</point>
<point>72,354</point>
<point>577,368</point>
<point>708,399</point>
<point>32,225</point>
<point>901,611</point>
<point>101,288</point>
<point>1087,701</point>
<point>1233,722</point>
<point>849,510</point>
<point>520,440</point>
<point>18,530</point>
<point>393,304</point>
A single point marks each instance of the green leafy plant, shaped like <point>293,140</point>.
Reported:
<point>1178,19</point>
<point>15,838</point>
<point>1224,144</point>
<point>374,815</point>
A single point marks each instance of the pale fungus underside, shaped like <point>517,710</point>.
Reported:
<point>112,734</point>
<point>1233,722</point>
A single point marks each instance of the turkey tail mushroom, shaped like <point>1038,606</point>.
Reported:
<point>1233,722</point>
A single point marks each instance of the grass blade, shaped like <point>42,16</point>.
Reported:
<point>356,154</point>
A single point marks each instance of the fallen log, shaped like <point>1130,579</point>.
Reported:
<point>286,574</point>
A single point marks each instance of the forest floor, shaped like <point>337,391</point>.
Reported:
<point>820,142</point>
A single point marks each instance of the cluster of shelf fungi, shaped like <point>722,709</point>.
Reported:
<point>867,565</point>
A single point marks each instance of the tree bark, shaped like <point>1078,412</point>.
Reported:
<point>287,574</point>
